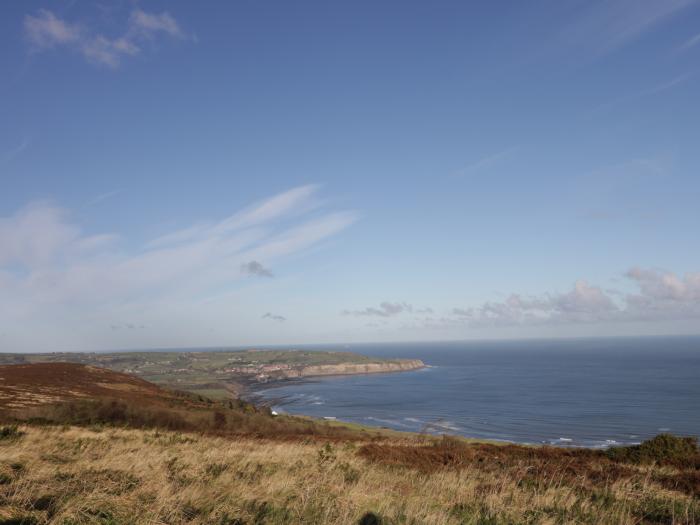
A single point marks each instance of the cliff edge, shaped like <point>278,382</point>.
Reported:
<point>402,365</point>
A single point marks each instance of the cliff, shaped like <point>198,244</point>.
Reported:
<point>401,365</point>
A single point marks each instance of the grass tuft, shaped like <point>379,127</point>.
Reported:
<point>10,433</point>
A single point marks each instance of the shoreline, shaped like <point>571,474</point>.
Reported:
<point>429,429</point>
<point>246,386</point>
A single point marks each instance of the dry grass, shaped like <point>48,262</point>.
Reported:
<point>73,475</point>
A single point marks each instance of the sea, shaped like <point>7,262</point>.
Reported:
<point>580,392</point>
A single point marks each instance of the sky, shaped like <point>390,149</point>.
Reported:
<point>262,172</point>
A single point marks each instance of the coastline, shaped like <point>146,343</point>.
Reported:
<point>248,388</point>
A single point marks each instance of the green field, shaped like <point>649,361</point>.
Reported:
<point>217,374</point>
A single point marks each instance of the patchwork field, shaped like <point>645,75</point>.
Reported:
<point>222,374</point>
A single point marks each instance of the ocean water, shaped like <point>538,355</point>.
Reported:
<point>587,392</point>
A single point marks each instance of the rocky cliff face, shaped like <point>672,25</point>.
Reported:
<point>354,368</point>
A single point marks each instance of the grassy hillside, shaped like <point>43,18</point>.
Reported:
<point>72,394</point>
<point>81,445</point>
<point>71,475</point>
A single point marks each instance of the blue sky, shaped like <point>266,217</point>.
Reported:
<point>309,172</point>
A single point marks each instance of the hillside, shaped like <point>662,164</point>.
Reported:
<point>82,445</point>
<point>24,386</point>
<point>110,475</point>
<point>224,374</point>
<point>69,393</point>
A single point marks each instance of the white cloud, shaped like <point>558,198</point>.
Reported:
<point>661,296</point>
<point>36,235</point>
<point>289,203</point>
<point>102,50</point>
<point>150,23</point>
<point>664,295</point>
<point>45,30</point>
<point>667,286</point>
<point>51,269</point>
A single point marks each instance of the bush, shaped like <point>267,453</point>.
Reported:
<point>326,454</point>
<point>350,475</point>
<point>10,432</point>
<point>664,449</point>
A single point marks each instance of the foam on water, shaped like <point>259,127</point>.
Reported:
<point>597,393</point>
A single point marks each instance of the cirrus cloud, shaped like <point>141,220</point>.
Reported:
<point>44,30</point>
<point>49,266</point>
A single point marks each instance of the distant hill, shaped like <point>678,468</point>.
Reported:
<point>70,393</point>
<point>223,374</point>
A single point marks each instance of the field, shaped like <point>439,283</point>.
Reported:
<point>221,374</point>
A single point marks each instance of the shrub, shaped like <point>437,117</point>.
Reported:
<point>350,475</point>
<point>326,454</point>
<point>664,449</point>
<point>10,432</point>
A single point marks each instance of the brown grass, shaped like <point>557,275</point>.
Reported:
<point>141,454</point>
<point>72,475</point>
<point>72,394</point>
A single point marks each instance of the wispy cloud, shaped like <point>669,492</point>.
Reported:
<point>148,24</point>
<point>690,43</point>
<point>103,197</point>
<point>13,153</point>
<point>292,203</point>
<point>486,162</point>
<point>605,26</point>
<point>647,92</point>
<point>44,30</point>
<point>664,85</point>
<point>49,264</point>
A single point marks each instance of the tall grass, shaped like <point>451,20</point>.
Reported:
<point>232,418</point>
<point>110,475</point>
